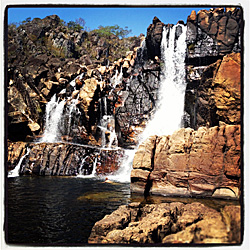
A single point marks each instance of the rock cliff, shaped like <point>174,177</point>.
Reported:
<point>62,159</point>
<point>205,162</point>
<point>215,94</point>
<point>125,89</point>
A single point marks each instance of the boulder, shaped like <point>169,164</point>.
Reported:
<point>165,223</point>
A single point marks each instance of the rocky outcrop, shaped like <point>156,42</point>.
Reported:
<point>215,94</point>
<point>154,37</point>
<point>214,32</point>
<point>62,159</point>
<point>167,223</point>
<point>205,162</point>
<point>139,105</point>
<point>44,57</point>
<point>35,76</point>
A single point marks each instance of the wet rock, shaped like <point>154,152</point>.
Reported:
<point>15,152</point>
<point>161,223</point>
<point>62,159</point>
<point>191,163</point>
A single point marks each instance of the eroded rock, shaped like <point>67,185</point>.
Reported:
<point>205,162</point>
<point>162,224</point>
<point>62,159</point>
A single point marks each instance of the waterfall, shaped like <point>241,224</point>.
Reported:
<point>16,170</point>
<point>116,79</point>
<point>170,106</point>
<point>93,173</point>
<point>94,168</point>
<point>72,111</point>
<point>123,173</point>
<point>54,111</point>
<point>107,122</point>
<point>107,126</point>
<point>61,115</point>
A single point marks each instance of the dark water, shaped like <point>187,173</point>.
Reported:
<point>62,210</point>
<point>56,210</point>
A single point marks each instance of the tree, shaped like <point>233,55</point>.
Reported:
<point>28,19</point>
<point>81,22</point>
<point>115,30</point>
<point>78,25</point>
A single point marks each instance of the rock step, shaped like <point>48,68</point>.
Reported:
<point>62,159</point>
<point>205,162</point>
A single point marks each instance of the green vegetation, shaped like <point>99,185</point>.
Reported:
<point>107,31</point>
<point>29,38</point>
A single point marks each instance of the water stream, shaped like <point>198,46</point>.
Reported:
<point>54,112</point>
<point>16,170</point>
<point>170,107</point>
<point>61,113</point>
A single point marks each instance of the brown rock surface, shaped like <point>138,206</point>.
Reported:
<point>62,159</point>
<point>15,152</point>
<point>163,223</point>
<point>218,94</point>
<point>232,218</point>
<point>226,89</point>
<point>205,162</point>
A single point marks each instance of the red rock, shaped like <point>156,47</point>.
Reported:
<point>191,162</point>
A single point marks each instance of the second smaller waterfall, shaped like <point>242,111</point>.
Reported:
<point>16,170</point>
<point>54,111</point>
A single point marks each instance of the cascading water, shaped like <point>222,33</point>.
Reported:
<point>71,113</point>
<point>94,164</point>
<point>54,111</point>
<point>123,173</point>
<point>60,115</point>
<point>116,79</point>
<point>107,122</point>
<point>107,126</point>
<point>16,170</point>
<point>170,108</point>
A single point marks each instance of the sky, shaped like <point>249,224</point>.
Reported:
<point>137,19</point>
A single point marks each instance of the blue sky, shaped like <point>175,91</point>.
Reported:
<point>137,19</point>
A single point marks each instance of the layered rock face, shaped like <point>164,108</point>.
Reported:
<point>59,159</point>
<point>52,56</point>
<point>168,223</point>
<point>205,162</point>
<point>215,95</point>
<point>214,32</point>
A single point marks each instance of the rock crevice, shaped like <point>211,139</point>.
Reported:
<point>190,163</point>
